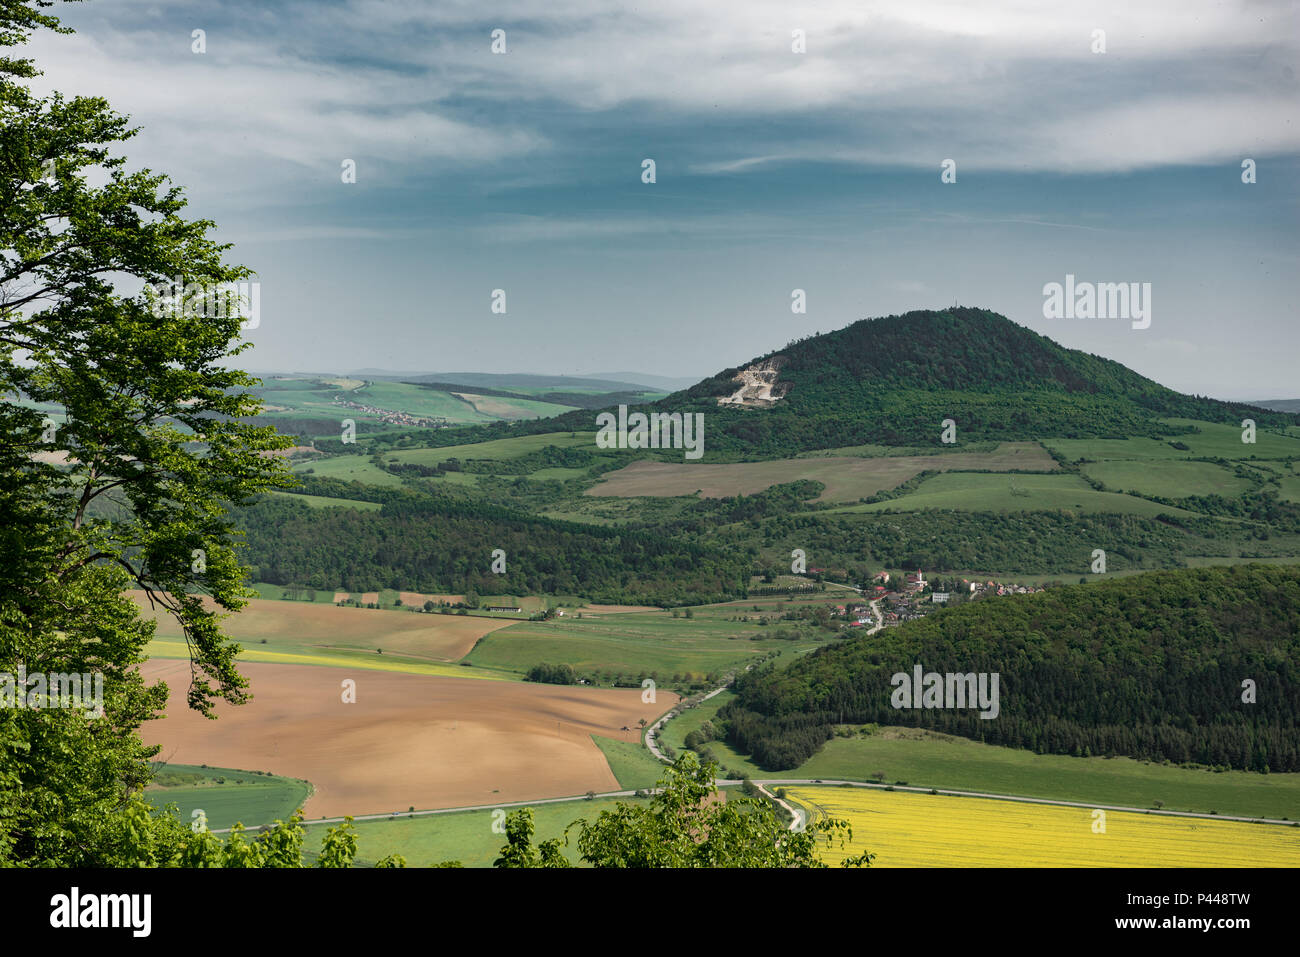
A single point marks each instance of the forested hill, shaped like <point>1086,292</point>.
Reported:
<point>893,381</point>
<point>1150,666</point>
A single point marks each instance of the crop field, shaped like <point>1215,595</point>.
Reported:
<point>348,468</point>
<point>226,796</point>
<point>926,759</point>
<point>354,660</point>
<point>303,627</point>
<point>846,479</point>
<point>496,449</point>
<point>1167,478</point>
<point>465,836</point>
<point>982,492</point>
<point>1215,440</point>
<point>633,643</point>
<point>321,501</point>
<point>500,407</point>
<point>924,830</point>
<point>406,740</point>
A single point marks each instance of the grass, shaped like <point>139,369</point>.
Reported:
<point>634,643</point>
<point>162,648</point>
<point>633,765</point>
<point>926,759</point>
<point>320,501</point>
<point>1214,440</point>
<point>922,830</point>
<point>1168,479</point>
<point>497,449</point>
<point>465,836</point>
<point>846,479</point>
<point>348,468</point>
<point>227,796</point>
<point>983,492</point>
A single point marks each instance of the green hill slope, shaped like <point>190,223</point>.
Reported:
<point>1150,667</point>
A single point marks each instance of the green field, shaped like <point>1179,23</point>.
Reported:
<point>348,468</point>
<point>633,765</point>
<point>320,501</point>
<point>924,759</point>
<point>465,836</point>
<point>1213,441</point>
<point>635,643</point>
<point>1167,479</point>
<point>227,796</point>
<point>497,449</point>
<point>983,492</point>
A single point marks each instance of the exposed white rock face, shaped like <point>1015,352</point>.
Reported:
<point>758,386</point>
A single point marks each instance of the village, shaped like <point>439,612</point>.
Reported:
<point>915,597</point>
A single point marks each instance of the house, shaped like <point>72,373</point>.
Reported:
<point>940,597</point>
<point>503,608</point>
<point>882,577</point>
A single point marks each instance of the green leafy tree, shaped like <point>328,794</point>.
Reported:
<point>683,825</point>
<point>131,486</point>
<point>518,851</point>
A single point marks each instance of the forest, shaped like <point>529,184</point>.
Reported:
<point>1189,666</point>
<point>432,545</point>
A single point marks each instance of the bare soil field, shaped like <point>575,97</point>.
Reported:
<point>408,740</point>
<point>847,479</point>
<point>317,625</point>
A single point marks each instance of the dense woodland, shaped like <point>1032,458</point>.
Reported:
<point>1149,666</point>
<point>430,545</point>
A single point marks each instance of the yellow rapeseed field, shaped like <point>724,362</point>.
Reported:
<point>161,648</point>
<point>925,830</point>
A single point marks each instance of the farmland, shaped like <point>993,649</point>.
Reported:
<point>982,492</point>
<point>225,795</point>
<point>636,643</point>
<point>306,627</point>
<point>499,449</point>
<point>847,479</point>
<point>406,740</point>
<point>464,836</point>
<point>924,830</point>
<point>928,759</point>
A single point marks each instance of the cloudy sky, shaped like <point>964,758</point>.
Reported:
<point>775,170</point>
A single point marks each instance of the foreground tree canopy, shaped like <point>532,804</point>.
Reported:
<point>130,485</point>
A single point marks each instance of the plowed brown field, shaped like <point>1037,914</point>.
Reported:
<point>317,625</point>
<point>409,740</point>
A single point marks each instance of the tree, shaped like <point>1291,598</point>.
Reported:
<point>682,826</point>
<point>518,850</point>
<point>132,487</point>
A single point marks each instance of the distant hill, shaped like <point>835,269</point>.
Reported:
<point>658,383</point>
<point>894,380</point>
<point>509,381</point>
<point>1280,405</point>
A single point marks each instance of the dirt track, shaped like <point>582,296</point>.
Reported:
<point>409,740</point>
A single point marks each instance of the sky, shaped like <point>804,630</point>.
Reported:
<point>775,170</point>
